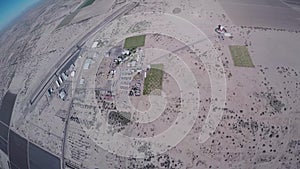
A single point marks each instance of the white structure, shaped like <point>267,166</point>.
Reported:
<point>57,83</point>
<point>62,94</point>
<point>72,73</point>
<point>60,80</point>
<point>51,90</point>
<point>125,59</point>
<point>64,76</point>
<point>125,52</point>
<point>221,27</point>
<point>113,72</point>
<point>229,35</point>
<point>81,81</point>
<point>95,44</point>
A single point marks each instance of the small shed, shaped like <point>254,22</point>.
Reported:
<point>95,44</point>
<point>62,94</point>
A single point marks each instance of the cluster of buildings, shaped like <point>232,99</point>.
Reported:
<point>122,58</point>
<point>135,90</point>
<point>129,61</point>
<point>60,79</point>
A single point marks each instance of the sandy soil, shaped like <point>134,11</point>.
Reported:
<point>259,124</point>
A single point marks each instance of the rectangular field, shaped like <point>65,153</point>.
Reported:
<point>241,56</point>
<point>38,158</point>
<point>154,79</point>
<point>3,145</point>
<point>18,150</point>
<point>134,42</point>
<point>3,131</point>
<point>6,107</point>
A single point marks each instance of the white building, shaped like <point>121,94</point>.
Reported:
<point>125,52</point>
<point>95,44</point>
<point>64,76</point>
<point>81,82</point>
<point>72,73</point>
<point>57,83</point>
<point>62,94</point>
<point>60,80</point>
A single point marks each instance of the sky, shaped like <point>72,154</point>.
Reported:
<point>10,9</point>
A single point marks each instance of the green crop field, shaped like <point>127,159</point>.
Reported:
<point>241,56</point>
<point>86,3</point>
<point>154,79</point>
<point>134,42</point>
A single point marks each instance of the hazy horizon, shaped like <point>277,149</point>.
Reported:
<point>10,10</point>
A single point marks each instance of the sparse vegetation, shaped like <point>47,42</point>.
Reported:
<point>70,17</point>
<point>67,19</point>
<point>134,42</point>
<point>241,56</point>
<point>154,79</point>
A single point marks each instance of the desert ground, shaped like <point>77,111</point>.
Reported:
<point>178,100</point>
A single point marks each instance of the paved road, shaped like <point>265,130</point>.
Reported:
<point>81,42</point>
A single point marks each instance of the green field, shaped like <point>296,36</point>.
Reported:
<point>134,42</point>
<point>241,56</point>
<point>154,79</point>
<point>86,3</point>
<point>67,19</point>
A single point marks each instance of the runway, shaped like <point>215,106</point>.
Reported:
<point>73,50</point>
